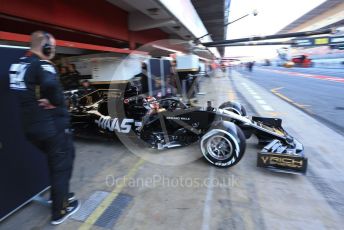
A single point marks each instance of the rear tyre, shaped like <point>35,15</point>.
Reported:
<point>239,109</point>
<point>234,107</point>
<point>224,144</point>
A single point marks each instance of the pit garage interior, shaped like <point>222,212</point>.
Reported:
<point>121,187</point>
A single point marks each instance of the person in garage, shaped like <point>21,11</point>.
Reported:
<point>64,77</point>
<point>86,88</point>
<point>143,79</point>
<point>45,119</point>
<point>85,91</point>
<point>69,77</point>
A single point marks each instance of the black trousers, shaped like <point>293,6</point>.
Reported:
<point>60,153</point>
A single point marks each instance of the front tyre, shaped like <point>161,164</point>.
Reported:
<point>224,144</point>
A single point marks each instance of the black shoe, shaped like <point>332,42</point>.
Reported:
<point>72,208</point>
<point>71,197</point>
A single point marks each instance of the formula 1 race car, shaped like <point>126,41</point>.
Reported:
<point>170,123</point>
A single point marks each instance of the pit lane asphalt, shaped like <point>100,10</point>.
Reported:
<point>243,197</point>
<point>335,72</point>
<point>321,97</point>
<point>323,147</point>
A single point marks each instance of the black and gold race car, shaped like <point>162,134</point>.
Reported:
<point>170,123</point>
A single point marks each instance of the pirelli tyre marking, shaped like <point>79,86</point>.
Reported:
<point>114,124</point>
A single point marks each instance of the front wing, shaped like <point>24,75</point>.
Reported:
<point>280,158</point>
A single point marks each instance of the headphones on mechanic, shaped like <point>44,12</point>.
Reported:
<point>47,46</point>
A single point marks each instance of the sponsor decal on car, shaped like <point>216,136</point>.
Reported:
<point>179,118</point>
<point>282,161</point>
<point>115,124</point>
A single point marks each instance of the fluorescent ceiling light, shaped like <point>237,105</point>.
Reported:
<point>185,12</point>
<point>167,49</point>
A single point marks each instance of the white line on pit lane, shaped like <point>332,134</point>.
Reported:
<point>262,102</point>
<point>267,108</point>
<point>208,201</point>
<point>258,99</point>
<point>250,90</point>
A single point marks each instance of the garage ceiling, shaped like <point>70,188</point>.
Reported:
<point>214,14</point>
<point>311,14</point>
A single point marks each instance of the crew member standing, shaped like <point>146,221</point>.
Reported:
<point>45,119</point>
<point>73,77</point>
<point>143,79</point>
<point>64,78</point>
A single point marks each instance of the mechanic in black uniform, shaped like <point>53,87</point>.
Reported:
<point>69,77</point>
<point>143,79</point>
<point>64,77</point>
<point>73,77</point>
<point>45,118</point>
<point>85,93</point>
<point>86,88</point>
<point>72,70</point>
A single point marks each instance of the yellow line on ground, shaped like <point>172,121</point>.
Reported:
<point>275,89</point>
<point>300,106</point>
<point>273,114</point>
<point>231,95</point>
<point>112,196</point>
<point>248,220</point>
<point>283,97</point>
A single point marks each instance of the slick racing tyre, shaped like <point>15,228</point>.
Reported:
<point>239,109</point>
<point>235,107</point>
<point>224,144</point>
